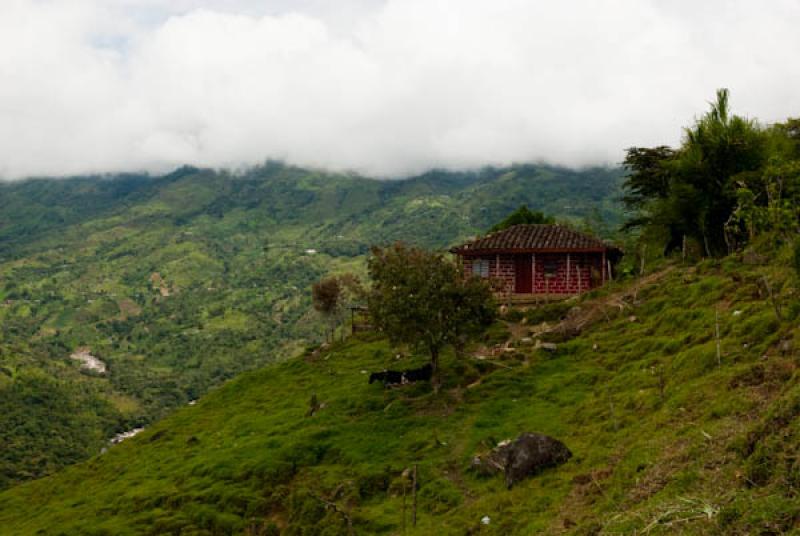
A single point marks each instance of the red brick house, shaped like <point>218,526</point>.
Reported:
<point>527,261</point>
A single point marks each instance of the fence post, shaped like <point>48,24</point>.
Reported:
<point>414,498</point>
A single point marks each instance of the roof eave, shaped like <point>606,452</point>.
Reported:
<point>468,252</point>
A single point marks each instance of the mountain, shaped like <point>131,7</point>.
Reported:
<point>677,393</point>
<point>125,297</point>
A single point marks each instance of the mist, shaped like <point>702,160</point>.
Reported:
<point>381,88</point>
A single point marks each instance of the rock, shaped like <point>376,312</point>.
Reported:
<point>785,347</point>
<point>595,347</point>
<point>633,318</point>
<point>547,346</point>
<point>526,340</point>
<point>485,520</point>
<point>526,456</point>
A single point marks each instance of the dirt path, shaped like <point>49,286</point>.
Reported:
<point>587,313</point>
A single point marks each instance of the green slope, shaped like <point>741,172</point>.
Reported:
<point>665,439</point>
<point>86,262</point>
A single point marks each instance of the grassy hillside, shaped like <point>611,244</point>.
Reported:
<point>178,283</point>
<point>666,437</point>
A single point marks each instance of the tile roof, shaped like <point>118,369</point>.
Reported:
<point>530,238</point>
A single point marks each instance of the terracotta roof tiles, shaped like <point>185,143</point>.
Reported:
<point>531,238</point>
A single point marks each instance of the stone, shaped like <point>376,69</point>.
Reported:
<point>523,457</point>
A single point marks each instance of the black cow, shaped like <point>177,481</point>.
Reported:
<point>387,377</point>
<point>402,377</point>
<point>422,374</point>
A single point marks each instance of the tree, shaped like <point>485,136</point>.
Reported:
<point>693,191</point>
<point>423,299</point>
<point>648,180</point>
<point>325,295</point>
<point>331,295</point>
<point>522,215</point>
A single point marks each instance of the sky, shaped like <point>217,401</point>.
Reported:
<point>383,88</point>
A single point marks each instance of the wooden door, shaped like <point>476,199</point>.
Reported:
<point>523,274</point>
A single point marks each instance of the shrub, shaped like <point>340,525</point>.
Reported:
<point>796,257</point>
<point>439,496</point>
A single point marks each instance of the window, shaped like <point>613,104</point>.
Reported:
<point>480,267</point>
<point>550,267</point>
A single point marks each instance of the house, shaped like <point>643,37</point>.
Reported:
<point>533,260</point>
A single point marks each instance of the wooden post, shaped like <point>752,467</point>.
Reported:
<point>683,250</point>
<point>716,322</point>
<point>644,252</point>
<point>405,476</point>
<point>578,268</point>
<point>533,273</point>
<point>603,268</point>
<point>568,274</point>
<point>414,498</point>
<point>775,303</point>
<point>497,265</point>
<point>610,273</point>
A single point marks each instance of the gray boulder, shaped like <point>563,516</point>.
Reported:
<point>525,456</point>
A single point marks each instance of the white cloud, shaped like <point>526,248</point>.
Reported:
<point>385,88</point>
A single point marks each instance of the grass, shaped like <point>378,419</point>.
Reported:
<point>664,438</point>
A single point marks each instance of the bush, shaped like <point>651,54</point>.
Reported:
<point>439,496</point>
<point>552,312</point>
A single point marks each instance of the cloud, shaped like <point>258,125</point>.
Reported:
<point>383,88</point>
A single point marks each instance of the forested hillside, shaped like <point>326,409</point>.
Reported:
<point>668,436</point>
<point>177,283</point>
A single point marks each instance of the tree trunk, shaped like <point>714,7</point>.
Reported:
<point>435,368</point>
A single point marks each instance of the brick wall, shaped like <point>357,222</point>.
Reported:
<point>584,272</point>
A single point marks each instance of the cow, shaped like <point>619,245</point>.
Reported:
<point>422,374</point>
<point>387,377</point>
<point>402,377</point>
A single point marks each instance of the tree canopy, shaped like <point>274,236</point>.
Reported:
<point>728,173</point>
<point>520,216</point>
<point>423,299</point>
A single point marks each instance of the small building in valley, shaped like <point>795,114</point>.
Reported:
<point>530,261</point>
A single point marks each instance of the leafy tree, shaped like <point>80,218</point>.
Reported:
<point>325,298</point>
<point>523,215</point>
<point>423,299</point>
<point>648,180</point>
<point>331,295</point>
<point>693,191</point>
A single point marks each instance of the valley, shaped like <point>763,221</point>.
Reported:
<point>173,285</point>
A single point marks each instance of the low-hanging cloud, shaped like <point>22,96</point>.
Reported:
<point>383,88</point>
